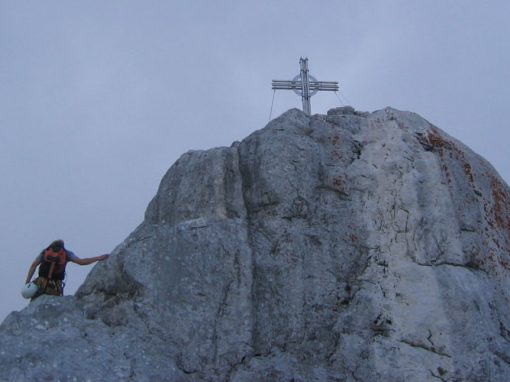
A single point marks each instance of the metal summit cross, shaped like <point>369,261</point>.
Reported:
<point>302,85</point>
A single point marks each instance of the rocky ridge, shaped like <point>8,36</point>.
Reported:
<point>343,247</point>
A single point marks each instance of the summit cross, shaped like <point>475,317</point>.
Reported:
<point>305,85</point>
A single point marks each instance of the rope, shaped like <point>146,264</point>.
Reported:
<point>272,103</point>
<point>341,102</point>
<point>344,97</point>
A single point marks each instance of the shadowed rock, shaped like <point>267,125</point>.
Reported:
<point>347,247</point>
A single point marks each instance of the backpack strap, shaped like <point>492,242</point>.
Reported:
<point>52,268</point>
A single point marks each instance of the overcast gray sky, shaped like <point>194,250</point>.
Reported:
<point>99,97</point>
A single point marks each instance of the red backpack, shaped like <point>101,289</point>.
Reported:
<point>53,265</point>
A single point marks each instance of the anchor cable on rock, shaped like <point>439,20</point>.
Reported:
<point>272,103</point>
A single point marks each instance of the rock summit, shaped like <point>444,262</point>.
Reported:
<point>350,246</point>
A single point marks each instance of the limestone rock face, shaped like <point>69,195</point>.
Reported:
<point>347,247</point>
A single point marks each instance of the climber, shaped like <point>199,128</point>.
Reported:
<point>52,263</point>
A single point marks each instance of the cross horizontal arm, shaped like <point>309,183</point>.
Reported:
<point>286,84</point>
<point>324,85</point>
<point>313,85</point>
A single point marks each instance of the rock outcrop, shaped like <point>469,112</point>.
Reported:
<point>347,247</point>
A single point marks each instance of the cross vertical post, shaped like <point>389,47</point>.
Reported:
<point>305,85</point>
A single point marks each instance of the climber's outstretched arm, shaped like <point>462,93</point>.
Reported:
<point>89,260</point>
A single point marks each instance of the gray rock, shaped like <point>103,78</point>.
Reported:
<point>344,110</point>
<point>347,247</point>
